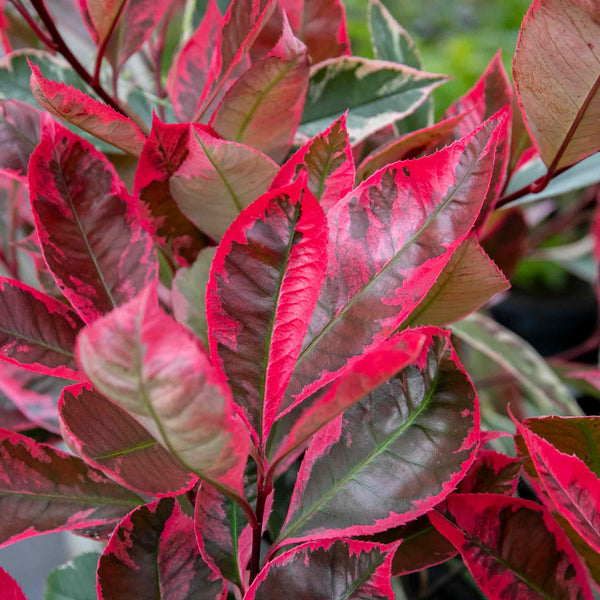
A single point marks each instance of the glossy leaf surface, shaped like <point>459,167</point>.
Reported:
<point>467,282</point>
<point>376,92</point>
<point>189,295</point>
<point>219,524</point>
<point>218,180</point>
<point>389,240</point>
<point>512,547</point>
<point>143,360</point>
<point>339,570</point>
<point>517,357</point>
<point>262,109</point>
<point>37,332</point>
<point>164,152</point>
<point>109,439</point>
<point>557,84</point>
<point>264,283</point>
<point>77,108</point>
<point>153,554</point>
<point>422,426</point>
<point>327,158</point>
<point>19,135</point>
<point>62,492</point>
<point>90,237</point>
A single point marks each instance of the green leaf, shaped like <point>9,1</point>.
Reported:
<point>377,92</point>
<point>76,580</point>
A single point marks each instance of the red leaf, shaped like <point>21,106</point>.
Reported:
<point>365,376</point>
<point>263,108</point>
<point>189,72</point>
<point>388,241</point>
<point>326,569</point>
<point>165,151</point>
<point>37,332</point>
<point>570,484</point>
<point>263,286</point>
<point>19,135</point>
<point>492,473</point>
<point>86,222</point>
<point>107,438</point>
<point>77,108</point>
<point>153,554</point>
<point>422,426</point>
<point>327,158</point>
<point>62,492</point>
<point>126,24</point>
<point>241,25</point>
<point>10,588</point>
<point>217,180</point>
<point>512,547</point>
<point>155,369</point>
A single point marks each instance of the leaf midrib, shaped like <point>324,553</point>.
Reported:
<point>92,500</point>
<point>37,342</point>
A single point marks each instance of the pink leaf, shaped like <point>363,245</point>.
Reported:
<point>151,366</point>
<point>107,438</point>
<point>263,286</point>
<point>388,241</point>
<point>263,108</point>
<point>77,108</point>
<point>327,158</point>
<point>153,554</point>
<point>327,569</point>
<point>218,180</point>
<point>512,547</point>
<point>87,226</point>
<point>391,457</point>
<point>189,72</point>
<point>165,151</point>
<point>19,135</point>
<point>37,332</point>
<point>62,492</point>
<point>10,588</point>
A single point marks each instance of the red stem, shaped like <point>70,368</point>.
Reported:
<point>104,44</point>
<point>34,26</point>
<point>264,488</point>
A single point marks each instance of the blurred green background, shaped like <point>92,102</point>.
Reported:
<point>455,37</point>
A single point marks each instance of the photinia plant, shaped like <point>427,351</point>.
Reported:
<point>231,253</point>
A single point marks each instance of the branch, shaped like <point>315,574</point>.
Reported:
<point>34,26</point>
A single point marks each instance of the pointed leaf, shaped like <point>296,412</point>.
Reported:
<point>262,109</point>
<point>408,146</point>
<point>10,588</point>
<point>74,581</point>
<point>217,180</point>
<point>219,524</point>
<point>189,72</point>
<point>390,40</point>
<point>363,378</point>
<point>519,359</point>
<point>327,158</point>
<point>19,135</point>
<point>37,332</point>
<point>561,114</point>
<point>264,283</point>
<point>77,108</point>
<point>153,554</point>
<point>107,438</point>
<point>467,282</point>
<point>189,295</point>
<point>151,366</point>
<point>422,426</point>
<point>376,92</point>
<point>512,547</point>
<point>492,473</point>
<point>90,237</point>
<point>569,483</point>
<point>44,490</point>
<point>126,24</point>
<point>326,570</point>
<point>164,152</point>
<point>389,240</point>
